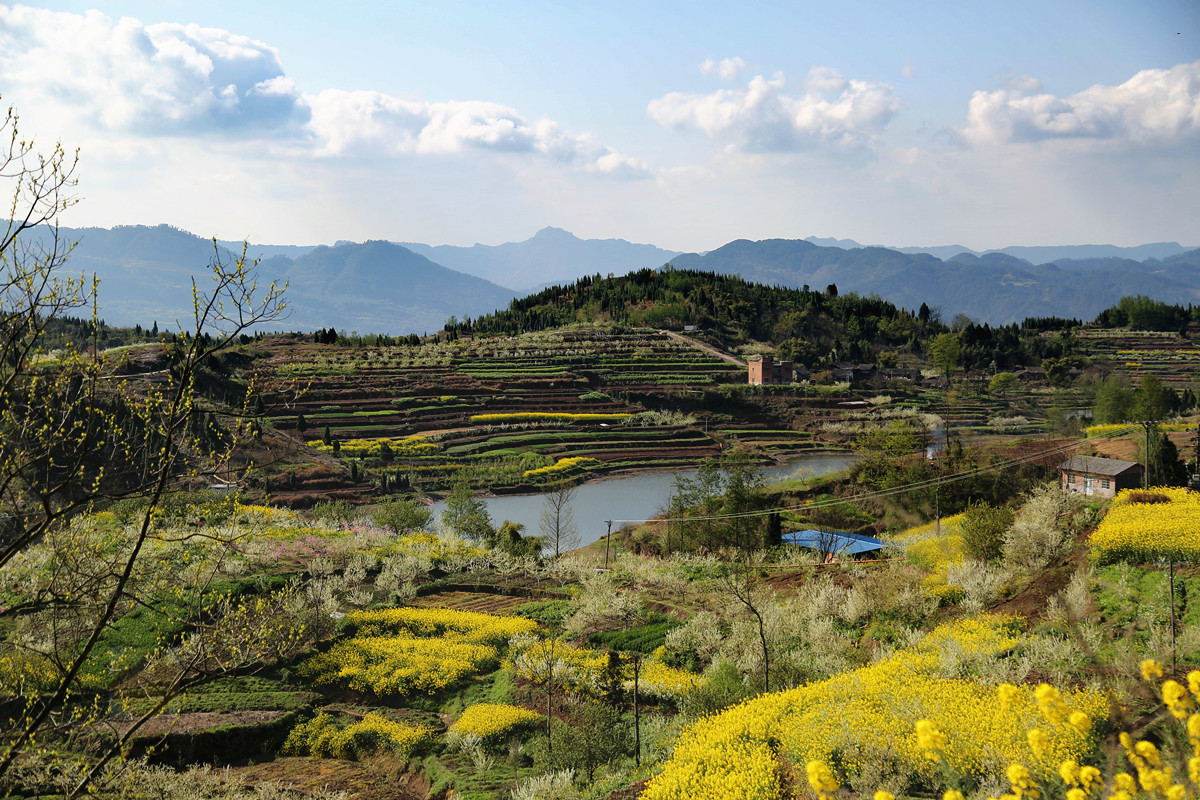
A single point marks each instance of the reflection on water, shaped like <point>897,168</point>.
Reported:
<point>635,498</point>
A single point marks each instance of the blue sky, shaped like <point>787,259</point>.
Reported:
<point>681,124</point>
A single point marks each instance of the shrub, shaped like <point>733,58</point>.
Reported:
<point>335,511</point>
<point>983,527</point>
<point>402,516</point>
<point>1042,530</point>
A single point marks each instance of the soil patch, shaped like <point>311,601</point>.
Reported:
<point>1123,449</point>
<point>195,722</point>
<point>366,780</point>
<point>471,601</point>
<point>1031,601</point>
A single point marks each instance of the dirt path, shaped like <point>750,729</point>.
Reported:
<point>706,348</point>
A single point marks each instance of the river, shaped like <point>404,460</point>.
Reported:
<point>632,499</point>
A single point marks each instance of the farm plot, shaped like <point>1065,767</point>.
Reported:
<point>1173,360</point>
<point>502,412</point>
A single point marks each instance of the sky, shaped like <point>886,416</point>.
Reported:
<point>684,125</point>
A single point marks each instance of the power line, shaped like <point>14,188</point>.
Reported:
<point>908,487</point>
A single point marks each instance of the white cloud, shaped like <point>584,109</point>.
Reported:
<point>373,123</point>
<point>764,118</point>
<point>126,76</point>
<point>726,69</point>
<point>1154,106</point>
<point>132,79</point>
<point>909,69</point>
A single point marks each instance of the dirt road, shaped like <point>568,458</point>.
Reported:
<point>706,348</point>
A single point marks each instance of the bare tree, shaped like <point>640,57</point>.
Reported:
<point>739,577</point>
<point>557,523</point>
<point>75,435</point>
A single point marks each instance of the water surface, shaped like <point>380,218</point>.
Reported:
<point>633,499</point>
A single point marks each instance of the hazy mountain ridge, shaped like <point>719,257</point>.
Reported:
<point>378,287</point>
<point>385,287</point>
<point>551,256</point>
<point>1033,254</point>
<point>995,287</point>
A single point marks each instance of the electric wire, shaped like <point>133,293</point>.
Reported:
<point>891,491</point>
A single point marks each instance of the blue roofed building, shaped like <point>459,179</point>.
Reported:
<point>837,543</point>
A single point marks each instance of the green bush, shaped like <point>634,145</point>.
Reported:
<point>983,527</point>
<point>551,613</point>
<point>335,511</point>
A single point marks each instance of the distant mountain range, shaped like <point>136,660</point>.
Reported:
<point>1034,255</point>
<point>375,287</point>
<point>993,287</point>
<point>385,287</point>
<point>551,256</point>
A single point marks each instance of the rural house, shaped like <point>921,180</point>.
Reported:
<point>1103,477</point>
<point>767,370</point>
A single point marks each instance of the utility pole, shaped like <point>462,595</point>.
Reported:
<point>1147,424</point>
<point>1195,476</point>
<point>637,712</point>
<point>1171,573</point>
<point>607,542</point>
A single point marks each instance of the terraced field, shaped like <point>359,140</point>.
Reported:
<point>510,413</point>
<point>1174,360</point>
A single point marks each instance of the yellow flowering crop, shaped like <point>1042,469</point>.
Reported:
<point>665,682</point>
<point>581,669</point>
<point>402,651</point>
<point>1117,428</point>
<point>406,447</point>
<point>561,466</point>
<point>322,736</point>
<point>399,665</point>
<point>1144,531</point>
<point>872,713</point>
<point>934,548</point>
<point>495,721</point>
<point>470,626</point>
<point>576,669</point>
<point>545,416</point>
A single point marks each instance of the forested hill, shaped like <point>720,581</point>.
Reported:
<point>802,322</point>
<point>817,328</point>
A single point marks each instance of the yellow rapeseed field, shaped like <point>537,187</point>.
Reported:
<point>1140,531</point>
<point>471,626</point>
<point>544,416</point>
<point>870,715</point>
<point>561,466</point>
<point>1117,428</point>
<point>934,547</point>
<point>322,736</point>
<point>404,651</point>
<point>494,721</point>
<point>583,669</point>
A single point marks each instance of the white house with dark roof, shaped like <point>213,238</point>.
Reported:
<point>1103,477</point>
